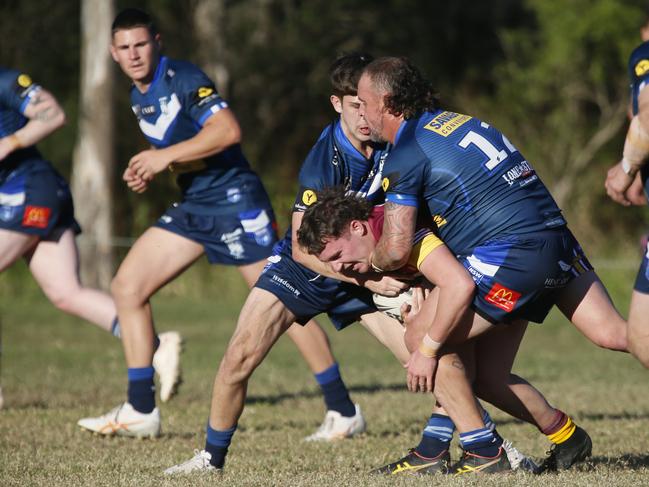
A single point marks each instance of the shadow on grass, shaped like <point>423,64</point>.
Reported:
<point>627,462</point>
<point>287,396</point>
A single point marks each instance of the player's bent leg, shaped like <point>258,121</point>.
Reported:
<point>261,322</point>
<point>585,302</point>
<point>55,266</point>
<point>389,332</point>
<point>155,259</point>
<point>638,330</point>
<point>14,245</point>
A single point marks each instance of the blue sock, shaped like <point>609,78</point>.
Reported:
<point>115,329</point>
<point>335,392</point>
<point>437,436</point>
<point>481,442</point>
<point>141,390</point>
<point>217,444</point>
<point>489,423</point>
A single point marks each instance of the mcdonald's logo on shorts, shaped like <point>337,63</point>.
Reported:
<point>36,216</point>
<point>502,297</point>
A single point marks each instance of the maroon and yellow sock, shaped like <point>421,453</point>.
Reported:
<point>561,429</point>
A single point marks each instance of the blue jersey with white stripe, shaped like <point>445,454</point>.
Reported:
<point>334,161</point>
<point>477,186</point>
<point>174,108</point>
<point>638,72</point>
<point>16,91</point>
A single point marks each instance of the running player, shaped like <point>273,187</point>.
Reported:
<point>491,210</point>
<point>224,213</point>
<point>624,184</point>
<point>37,215</point>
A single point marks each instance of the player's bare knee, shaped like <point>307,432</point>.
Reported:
<point>126,291</point>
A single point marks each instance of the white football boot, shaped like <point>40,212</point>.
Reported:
<point>124,421</point>
<point>166,362</point>
<point>337,427</point>
<point>200,462</point>
<point>517,460</point>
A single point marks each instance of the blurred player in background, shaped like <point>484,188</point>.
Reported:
<point>628,183</point>
<point>224,213</point>
<point>36,211</point>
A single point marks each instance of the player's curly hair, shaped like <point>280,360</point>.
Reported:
<point>329,217</point>
<point>406,91</point>
<point>130,18</point>
<point>345,72</point>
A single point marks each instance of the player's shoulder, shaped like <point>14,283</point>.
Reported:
<point>178,71</point>
<point>10,77</point>
<point>639,60</point>
<point>323,150</point>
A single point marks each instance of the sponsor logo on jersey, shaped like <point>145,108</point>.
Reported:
<point>523,171</point>
<point>148,110</point>
<point>642,67</point>
<point>24,81</point>
<point>309,197</point>
<point>502,297</point>
<point>446,123</point>
<point>36,216</point>
<point>439,220</point>
<point>204,91</point>
<point>233,242</point>
<point>385,184</point>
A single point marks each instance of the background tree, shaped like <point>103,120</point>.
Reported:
<point>92,171</point>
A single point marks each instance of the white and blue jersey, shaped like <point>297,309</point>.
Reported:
<point>34,197</point>
<point>491,210</point>
<point>224,205</point>
<point>333,161</point>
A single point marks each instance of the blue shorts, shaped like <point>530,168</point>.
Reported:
<point>642,279</point>
<point>35,199</point>
<point>243,236</point>
<point>519,277</point>
<point>307,294</point>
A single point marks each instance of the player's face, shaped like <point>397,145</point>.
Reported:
<point>354,124</point>
<point>137,53</point>
<point>350,252</point>
<point>372,109</point>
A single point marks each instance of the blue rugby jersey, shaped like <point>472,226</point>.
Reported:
<point>174,108</point>
<point>16,91</point>
<point>638,72</point>
<point>334,161</point>
<point>475,183</point>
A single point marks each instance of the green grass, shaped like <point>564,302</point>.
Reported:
<point>56,369</point>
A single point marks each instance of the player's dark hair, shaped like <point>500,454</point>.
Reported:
<point>329,217</point>
<point>345,72</point>
<point>406,91</point>
<point>130,18</point>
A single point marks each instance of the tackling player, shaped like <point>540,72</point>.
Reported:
<point>625,182</point>
<point>224,213</point>
<point>37,215</point>
<point>491,210</point>
<point>343,231</point>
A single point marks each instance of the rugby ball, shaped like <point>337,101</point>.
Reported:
<point>391,306</point>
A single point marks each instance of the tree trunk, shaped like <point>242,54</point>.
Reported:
<point>208,22</point>
<point>93,159</point>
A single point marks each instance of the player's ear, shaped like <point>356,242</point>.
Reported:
<point>356,227</point>
<point>337,103</point>
<point>157,39</point>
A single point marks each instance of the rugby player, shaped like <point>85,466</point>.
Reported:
<point>37,214</point>
<point>492,211</point>
<point>224,213</point>
<point>296,286</point>
<point>343,231</point>
<point>625,183</point>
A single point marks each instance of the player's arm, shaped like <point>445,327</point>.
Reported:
<point>438,319</point>
<point>393,249</point>
<point>636,151</point>
<point>45,116</point>
<point>377,283</point>
<point>220,131</point>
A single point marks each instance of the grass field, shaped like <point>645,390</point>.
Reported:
<point>56,369</point>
